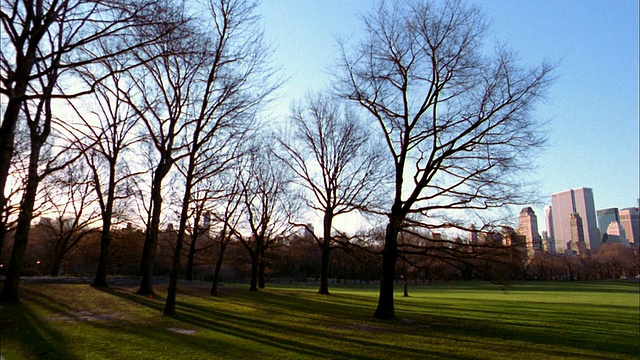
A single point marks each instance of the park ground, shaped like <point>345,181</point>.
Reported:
<point>67,319</point>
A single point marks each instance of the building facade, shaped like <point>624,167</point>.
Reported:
<point>630,222</point>
<point>528,227</point>
<point>564,204</point>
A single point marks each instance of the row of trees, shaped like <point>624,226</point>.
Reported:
<point>298,259</point>
<point>150,110</point>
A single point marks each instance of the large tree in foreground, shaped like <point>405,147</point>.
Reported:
<point>457,123</point>
<point>335,159</point>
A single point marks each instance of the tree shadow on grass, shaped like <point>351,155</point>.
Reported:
<point>25,335</point>
<point>261,334</point>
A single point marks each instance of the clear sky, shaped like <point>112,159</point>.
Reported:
<point>592,107</point>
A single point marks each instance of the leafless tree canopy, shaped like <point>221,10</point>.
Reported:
<point>456,122</point>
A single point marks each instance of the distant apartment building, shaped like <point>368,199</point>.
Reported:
<point>528,227</point>
<point>565,205</point>
<point>630,222</point>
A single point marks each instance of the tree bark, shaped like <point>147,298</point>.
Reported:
<point>261,284</point>
<point>14,271</point>
<point>151,239</point>
<point>385,309</point>
<point>100,281</point>
<point>254,272</point>
<point>216,273</point>
<point>324,272</point>
<point>192,253</point>
<point>326,251</point>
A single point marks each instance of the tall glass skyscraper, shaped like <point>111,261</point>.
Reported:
<point>569,202</point>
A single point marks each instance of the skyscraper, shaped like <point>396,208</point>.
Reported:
<point>630,222</point>
<point>574,201</point>
<point>606,217</point>
<point>528,226</point>
<point>549,239</point>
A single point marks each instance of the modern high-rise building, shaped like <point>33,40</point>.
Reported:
<point>615,234</point>
<point>630,222</point>
<point>606,217</point>
<point>567,203</point>
<point>528,227</point>
<point>550,244</point>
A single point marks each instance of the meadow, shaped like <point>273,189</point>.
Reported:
<point>462,320</point>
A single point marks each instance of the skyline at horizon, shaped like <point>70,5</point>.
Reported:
<point>592,107</point>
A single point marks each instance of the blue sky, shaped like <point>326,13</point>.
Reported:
<point>592,107</point>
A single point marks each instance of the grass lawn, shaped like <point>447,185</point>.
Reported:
<point>464,320</point>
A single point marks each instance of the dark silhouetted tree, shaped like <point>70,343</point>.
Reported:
<point>457,123</point>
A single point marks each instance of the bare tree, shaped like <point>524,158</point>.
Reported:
<point>105,136</point>
<point>235,81</point>
<point>269,207</point>
<point>229,216</point>
<point>456,123</point>
<point>161,98</point>
<point>73,206</point>
<point>336,160</point>
<point>45,44</point>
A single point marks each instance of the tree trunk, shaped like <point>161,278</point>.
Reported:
<point>385,308</point>
<point>261,271</point>
<point>326,251</point>
<point>192,253</point>
<point>14,271</point>
<point>216,273</point>
<point>254,272</point>
<point>148,262</point>
<point>55,267</point>
<point>324,272</point>
<point>405,286</point>
<point>100,280</point>
<point>170,304</point>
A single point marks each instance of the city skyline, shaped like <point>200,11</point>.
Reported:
<point>592,108</point>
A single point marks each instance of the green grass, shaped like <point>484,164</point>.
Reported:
<point>466,320</point>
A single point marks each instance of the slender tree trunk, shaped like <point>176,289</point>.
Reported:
<point>170,304</point>
<point>405,285</point>
<point>100,280</point>
<point>151,239</point>
<point>261,284</point>
<point>326,251</point>
<point>385,308</point>
<point>23,226</point>
<point>7,136</point>
<point>254,272</point>
<point>192,253</point>
<point>216,273</point>
<point>55,268</point>
<point>324,272</point>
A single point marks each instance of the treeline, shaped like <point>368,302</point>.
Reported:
<point>298,258</point>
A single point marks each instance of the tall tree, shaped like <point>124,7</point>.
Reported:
<point>104,136</point>
<point>269,207</point>
<point>234,82</point>
<point>73,205</point>
<point>45,44</point>
<point>161,97</point>
<point>227,213</point>
<point>457,123</point>
<point>336,160</point>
